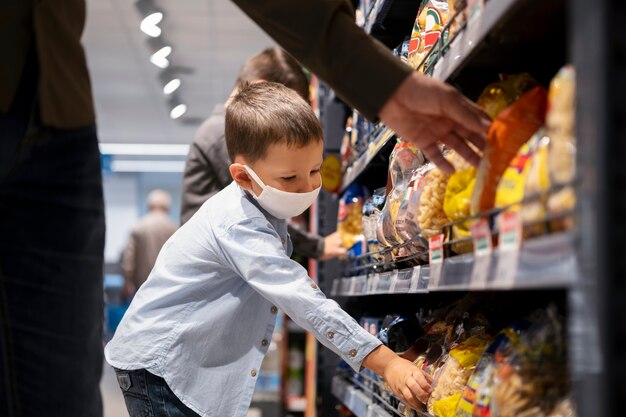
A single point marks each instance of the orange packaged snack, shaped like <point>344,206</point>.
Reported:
<point>511,128</point>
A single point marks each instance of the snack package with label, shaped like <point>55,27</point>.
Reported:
<point>372,210</point>
<point>512,185</point>
<point>452,378</point>
<point>499,95</point>
<point>431,19</point>
<point>407,225</point>
<point>456,205</point>
<point>511,128</point>
<point>405,159</point>
<point>431,215</point>
<point>534,378</point>
<point>562,155</point>
<point>349,219</point>
<point>476,395</point>
<point>456,11</point>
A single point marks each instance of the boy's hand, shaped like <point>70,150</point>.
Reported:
<point>408,382</point>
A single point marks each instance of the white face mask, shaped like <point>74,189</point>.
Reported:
<point>282,204</point>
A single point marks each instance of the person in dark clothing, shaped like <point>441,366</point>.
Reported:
<point>51,204</point>
<point>206,169</point>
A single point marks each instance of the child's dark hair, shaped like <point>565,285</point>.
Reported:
<point>275,65</point>
<point>265,113</point>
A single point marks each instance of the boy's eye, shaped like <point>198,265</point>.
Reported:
<point>293,177</point>
<point>315,171</point>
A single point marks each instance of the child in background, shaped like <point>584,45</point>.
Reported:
<point>195,335</point>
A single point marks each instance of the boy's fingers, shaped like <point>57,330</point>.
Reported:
<point>417,390</point>
<point>424,380</point>
<point>477,140</point>
<point>462,111</point>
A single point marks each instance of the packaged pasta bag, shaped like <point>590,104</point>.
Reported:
<point>456,205</point>
<point>428,27</point>
<point>407,225</point>
<point>349,219</point>
<point>405,159</point>
<point>536,186</point>
<point>511,128</point>
<point>562,154</point>
<point>476,395</point>
<point>499,95</point>
<point>453,376</point>
<point>534,378</point>
<point>371,212</point>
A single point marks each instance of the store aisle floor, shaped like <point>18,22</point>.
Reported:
<point>111,395</point>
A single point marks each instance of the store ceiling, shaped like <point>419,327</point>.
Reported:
<point>210,38</point>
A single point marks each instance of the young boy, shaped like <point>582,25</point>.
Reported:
<point>196,332</point>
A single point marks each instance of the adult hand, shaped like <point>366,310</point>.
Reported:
<point>333,247</point>
<point>408,382</point>
<point>427,112</point>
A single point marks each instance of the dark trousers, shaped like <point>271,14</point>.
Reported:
<point>148,395</point>
<point>51,264</point>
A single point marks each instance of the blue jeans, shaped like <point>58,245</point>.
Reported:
<point>147,395</point>
<point>51,262</point>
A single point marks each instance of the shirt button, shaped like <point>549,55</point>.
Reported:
<point>352,353</point>
<point>264,342</point>
<point>253,372</point>
<point>274,309</point>
<point>330,335</point>
<point>282,241</point>
<point>314,286</point>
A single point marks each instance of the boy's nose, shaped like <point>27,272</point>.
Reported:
<point>311,185</point>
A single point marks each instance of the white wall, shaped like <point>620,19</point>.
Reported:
<point>121,207</point>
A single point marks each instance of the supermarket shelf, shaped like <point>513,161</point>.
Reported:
<point>354,171</point>
<point>292,327</point>
<point>463,47</point>
<point>365,397</point>
<point>548,262</point>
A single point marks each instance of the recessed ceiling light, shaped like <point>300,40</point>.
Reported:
<point>159,58</point>
<point>178,111</point>
<point>171,86</point>
<point>149,24</point>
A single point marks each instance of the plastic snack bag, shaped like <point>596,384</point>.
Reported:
<point>501,94</point>
<point>510,129</point>
<point>427,29</point>
<point>349,220</point>
<point>562,155</point>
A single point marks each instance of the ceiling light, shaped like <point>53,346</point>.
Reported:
<point>178,111</point>
<point>159,58</point>
<point>147,166</point>
<point>142,149</point>
<point>149,24</point>
<point>171,86</point>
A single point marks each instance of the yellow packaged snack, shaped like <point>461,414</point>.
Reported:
<point>562,155</point>
<point>457,205</point>
<point>427,29</point>
<point>457,370</point>
<point>446,407</point>
<point>513,182</point>
<point>499,95</point>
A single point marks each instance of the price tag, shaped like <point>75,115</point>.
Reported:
<point>372,283</point>
<point>352,285</point>
<point>333,291</point>
<point>415,278</point>
<point>435,257</point>
<point>384,283</point>
<point>483,248</point>
<point>360,285</point>
<point>394,282</point>
<point>510,241</point>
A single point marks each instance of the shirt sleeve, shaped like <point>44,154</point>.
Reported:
<point>253,249</point>
<point>324,37</point>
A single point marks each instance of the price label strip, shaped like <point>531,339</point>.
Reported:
<point>415,279</point>
<point>483,249</point>
<point>509,244</point>
<point>435,257</point>
<point>394,282</point>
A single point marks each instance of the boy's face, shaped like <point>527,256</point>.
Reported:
<point>291,169</point>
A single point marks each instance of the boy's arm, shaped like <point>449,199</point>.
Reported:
<point>253,249</point>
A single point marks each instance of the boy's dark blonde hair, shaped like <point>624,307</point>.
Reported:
<point>266,113</point>
<point>275,65</point>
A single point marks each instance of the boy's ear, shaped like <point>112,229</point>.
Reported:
<point>240,176</point>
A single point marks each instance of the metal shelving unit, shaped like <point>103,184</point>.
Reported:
<point>585,266</point>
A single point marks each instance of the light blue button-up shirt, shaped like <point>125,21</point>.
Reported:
<point>203,318</point>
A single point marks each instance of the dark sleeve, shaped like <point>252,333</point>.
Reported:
<point>206,173</point>
<point>323,36</point>
<point>306,244</point>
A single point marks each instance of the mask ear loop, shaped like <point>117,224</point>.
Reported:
<point>254,176</point>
